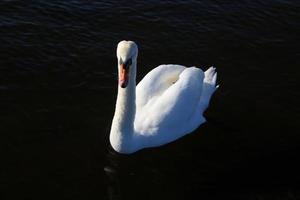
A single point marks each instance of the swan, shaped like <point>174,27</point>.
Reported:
<point>167,104</point>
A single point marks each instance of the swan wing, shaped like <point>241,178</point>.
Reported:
<point>167,116</point>
<point>156,82</point>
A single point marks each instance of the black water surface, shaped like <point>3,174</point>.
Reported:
<point>58,89</point>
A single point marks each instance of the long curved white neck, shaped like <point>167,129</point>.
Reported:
<point>122,128</point>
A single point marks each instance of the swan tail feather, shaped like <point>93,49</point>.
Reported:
<point>208,88</point>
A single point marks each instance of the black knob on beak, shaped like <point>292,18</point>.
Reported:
<point>126,63</point>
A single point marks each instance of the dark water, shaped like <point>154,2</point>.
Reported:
<point>58,89</point>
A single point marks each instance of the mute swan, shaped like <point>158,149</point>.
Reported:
<point>166,105</point>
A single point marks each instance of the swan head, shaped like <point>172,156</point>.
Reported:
<point>127,52</point>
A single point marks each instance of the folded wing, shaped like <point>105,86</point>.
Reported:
<point>165,104</point>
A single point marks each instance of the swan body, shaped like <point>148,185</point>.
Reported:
<point>167,104</point>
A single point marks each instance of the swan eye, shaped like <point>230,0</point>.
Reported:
<point>121,61</point>
<point>128,62</point>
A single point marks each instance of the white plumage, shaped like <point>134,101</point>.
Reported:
<point>167,104</point>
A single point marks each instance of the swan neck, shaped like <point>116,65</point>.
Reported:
<point>122,128</point>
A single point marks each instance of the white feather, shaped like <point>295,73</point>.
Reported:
<point>167,104</point>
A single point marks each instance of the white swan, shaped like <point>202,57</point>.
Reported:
<point>166,105</point>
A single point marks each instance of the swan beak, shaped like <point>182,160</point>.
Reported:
<point>123,77</point>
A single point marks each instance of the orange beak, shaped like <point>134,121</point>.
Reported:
<point>123,76</point>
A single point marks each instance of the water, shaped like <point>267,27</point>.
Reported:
<point>58,89</point>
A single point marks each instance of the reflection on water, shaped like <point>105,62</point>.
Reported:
<point>111,171</point>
